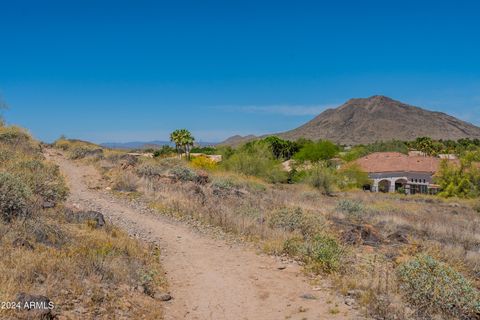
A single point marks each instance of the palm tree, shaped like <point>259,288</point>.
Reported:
<point>175,138</point>
<point>187,140</point>
<point>183,140</point>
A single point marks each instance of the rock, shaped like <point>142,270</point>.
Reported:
<point>363,234</point>
<point>84,216</point>
<point>48,204</point>
<point>282,267</point>
<point>163,296</point>
<point>308,296</point>
<point>22,243</point>
<point>37,306</point>
<point>349,302</point>
<point>398,236</point>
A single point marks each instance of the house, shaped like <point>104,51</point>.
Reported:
<point>394,171</point>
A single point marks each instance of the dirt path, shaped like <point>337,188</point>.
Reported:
<point>209,278</point>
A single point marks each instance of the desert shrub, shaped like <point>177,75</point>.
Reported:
<point>126,181</point>
<point>256,160</point>
<point>44,179</point>
<point>14,136</point>
<point>321,178</point>
<point>62,144</point>
<point>226,184</point>
<point>294,246</point>
<point>164,151</point>
<point>295,219</point>
<point>324,253</point>
<point>431,286</point>
<point>184,174</point>
<point>203,162</point>
<point>353,209</point>
<point>237,183</point>
<point>150,170</point>
<point>351,177</point>
<point>14,197</point>
<point>159,168</point>
<point>321,253</point>
<point>83,152</point>
<point>5,155</point>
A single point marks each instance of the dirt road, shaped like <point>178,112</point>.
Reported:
<point>209,278</point>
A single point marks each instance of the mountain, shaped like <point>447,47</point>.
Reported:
<point>238,140</point>
<point>378,118</point>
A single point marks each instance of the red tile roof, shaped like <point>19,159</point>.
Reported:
<point>398,162</point>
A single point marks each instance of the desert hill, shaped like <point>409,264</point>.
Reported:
<point>378,118</point>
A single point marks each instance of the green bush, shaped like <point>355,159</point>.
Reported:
<point>159,167</point>
<point>325,253</point>
<point>225,184</point>
<point>294,247</point>
<point>164,151</point>
<point>431,286</point>
<point>184,174</point>
<point>321,178</point>
<point>294,219</point>
<point>44,179</point>
<point>15,197</point>
<point>14,136</point>
<point>150,170</point>
<point>353,209</point>
<point>6,155</point>
<point>458,180</point>
<point>322,253</point>
<point>317,151</point>
<point>256,160</point>
<point>352,176</point>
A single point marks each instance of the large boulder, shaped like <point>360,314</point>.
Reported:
<point>85,216</point>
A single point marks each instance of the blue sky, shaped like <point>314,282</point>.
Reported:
<point>136,70</point>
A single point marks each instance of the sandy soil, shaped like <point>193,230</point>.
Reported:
<point>209,278</point>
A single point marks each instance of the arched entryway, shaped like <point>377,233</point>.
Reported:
<point>400,185</point>
<point>384,186</point>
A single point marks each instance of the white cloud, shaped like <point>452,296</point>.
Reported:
<point>285,110</point>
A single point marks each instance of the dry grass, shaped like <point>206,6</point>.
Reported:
<point>87,272</point>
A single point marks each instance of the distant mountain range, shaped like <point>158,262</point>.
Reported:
<point>378,118</point>
<point>146,144</point>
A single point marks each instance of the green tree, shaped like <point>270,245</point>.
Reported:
<point>183,140</point>
<point>428,146</point>
<point>352,176</point>
<point>458,180</point>
<point>256,159</point>
<point>281,149</point>
<point>317,151</point>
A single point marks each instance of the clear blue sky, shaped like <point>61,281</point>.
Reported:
<point>135,70</point>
